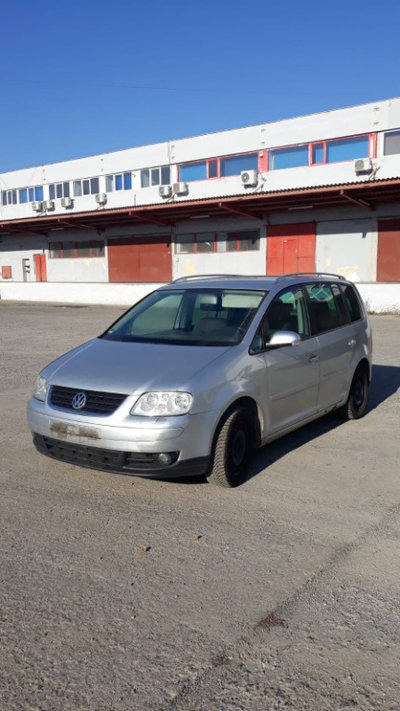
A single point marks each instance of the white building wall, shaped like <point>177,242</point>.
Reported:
<point>13,252</point>
<point>379,298</point>
<point>251,262</point>
<point>375,117</point>
<point>75,293</point>
<point>87,269</point>
<point>348,247</point>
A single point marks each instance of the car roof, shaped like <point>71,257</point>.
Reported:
<point>242,281</point>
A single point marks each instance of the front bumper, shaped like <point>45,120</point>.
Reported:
<point>123,443</point>
<point>119,462</point>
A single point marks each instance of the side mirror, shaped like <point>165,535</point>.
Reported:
<point>283,338</point>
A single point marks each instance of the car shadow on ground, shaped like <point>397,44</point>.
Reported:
<point>385,383</point>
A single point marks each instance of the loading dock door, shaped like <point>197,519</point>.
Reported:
<point>140,259</point>
<point>290,248</point>
<point>388,268</point>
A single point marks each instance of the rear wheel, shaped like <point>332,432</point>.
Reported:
<point>356,404</point>
<point>232,449</point>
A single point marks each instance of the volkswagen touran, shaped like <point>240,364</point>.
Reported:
<point>203,370</point>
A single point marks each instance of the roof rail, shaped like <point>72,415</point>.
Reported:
<point>193,277</point>
<point>311,274</point>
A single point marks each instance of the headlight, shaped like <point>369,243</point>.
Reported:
<point>156,404</point>
<point>40,388</point>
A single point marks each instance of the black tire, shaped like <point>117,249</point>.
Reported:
<point>232,449</point>
<point>356,404</point>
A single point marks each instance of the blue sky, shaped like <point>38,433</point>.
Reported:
<point>80,78</point>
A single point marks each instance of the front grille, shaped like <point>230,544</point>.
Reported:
<point>96,458</point>
<point>97,402</point>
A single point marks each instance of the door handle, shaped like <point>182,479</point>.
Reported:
<point>351,343</point>
<point>313,359</point>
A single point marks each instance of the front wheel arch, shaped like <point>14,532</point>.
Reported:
<point>236,435</point>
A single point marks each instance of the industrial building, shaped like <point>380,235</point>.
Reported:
<point>313,193</point>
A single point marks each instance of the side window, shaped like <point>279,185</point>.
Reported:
<point>287,312</point>
<point>352,303</point>
<point>324,310</point>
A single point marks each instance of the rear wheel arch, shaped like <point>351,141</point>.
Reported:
<point>356,403</point>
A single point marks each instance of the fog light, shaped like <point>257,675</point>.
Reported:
<point>164,458</point>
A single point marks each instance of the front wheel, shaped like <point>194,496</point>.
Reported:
<point>232,449</point>
<point>356,404</point>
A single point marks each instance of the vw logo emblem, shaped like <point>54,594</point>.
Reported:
<point>79,401</point>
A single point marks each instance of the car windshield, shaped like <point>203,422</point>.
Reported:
<point>201,317</point>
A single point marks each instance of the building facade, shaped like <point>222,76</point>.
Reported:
<point>314,193</point>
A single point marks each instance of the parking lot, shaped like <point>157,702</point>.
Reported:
<point>120,593</point>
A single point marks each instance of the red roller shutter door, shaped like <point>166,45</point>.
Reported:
<point>141,259</point>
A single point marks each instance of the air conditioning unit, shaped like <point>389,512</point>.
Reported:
<point>165,191</point>
<point>101,198</point>
<point>249,178</point>
<point>363,165</point>
<point>181,188</point>
<point>66,202</point>
<point>37,206</point>
<point>49,205</point>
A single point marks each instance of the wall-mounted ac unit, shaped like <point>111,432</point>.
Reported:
<point>49,205</point>
<point>37,206</point>
<point>363,165</point>
<point>181,188</point>
<point>101,198</point>
<point>249,178</point>
<point>66,202</point>
<point>165,191</point>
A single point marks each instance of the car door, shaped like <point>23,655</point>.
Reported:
<point>289,379</point>
<point>336,342</point>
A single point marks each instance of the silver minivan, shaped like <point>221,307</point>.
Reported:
<point>201,371</point>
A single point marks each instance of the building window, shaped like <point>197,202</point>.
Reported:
<point>242,241</point>
<point>235,164</point>
<point>9,197</point>
<point>87,186</point>
<point>58,190</point>
<point>391,144</point>
<point>76,250</point>
<point>347,149</point>
<point>149,177</point>
<point>22,195</point>
<point>201,242</point>
<point>119,181</point>
<point>334,151</point>
<point>193,171</point>
<point>293,157</point>
<point>318,153</point>
<point>217,167</point>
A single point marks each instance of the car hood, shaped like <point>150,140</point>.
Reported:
<point>115,366</point>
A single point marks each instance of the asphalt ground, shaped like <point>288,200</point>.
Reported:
<point>120,593</point>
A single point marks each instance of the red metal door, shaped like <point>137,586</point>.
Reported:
<point>388,267</point>
<point>40,267</point>
<point>290,248</point>
<point>289,255</point>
